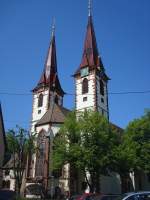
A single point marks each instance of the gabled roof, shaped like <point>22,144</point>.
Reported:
<point>55,114</point>
<point>2,129</point>
<point>90,55</point>
<point>49,76</point>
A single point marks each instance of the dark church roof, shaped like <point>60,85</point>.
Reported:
<point>2,129</point>
<point>55,114</point>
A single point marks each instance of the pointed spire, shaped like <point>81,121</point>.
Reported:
<point>49,76</point>
<point>90,53</point>
<point>53,27</point>
<point>90,56</point>
<point>90,8</point>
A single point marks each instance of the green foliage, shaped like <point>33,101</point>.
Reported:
<point>66,143</point>
<point>98,140</point>
<point>85,142</point>
<point>137,142</point>
<point>20,144</point>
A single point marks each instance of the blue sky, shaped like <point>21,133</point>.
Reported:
<point>123,36</point>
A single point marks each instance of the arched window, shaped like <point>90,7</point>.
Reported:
<point>101,87</point>
<point>40,100</point>
<point>40,157</point>
<point>85,87</point>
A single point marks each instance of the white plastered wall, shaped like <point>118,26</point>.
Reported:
<point>80,104</point>
<point>38,112</point>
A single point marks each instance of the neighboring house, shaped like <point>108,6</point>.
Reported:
<point>2,143</point>
<point>8,175</point>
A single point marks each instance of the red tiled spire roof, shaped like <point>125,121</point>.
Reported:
<point>49,76</point>
<point>90,55</point>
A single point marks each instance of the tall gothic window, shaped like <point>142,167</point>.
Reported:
<point>101,87</point>
<point>85,87</point>
<point>40,157</point>
<point>40,100</point>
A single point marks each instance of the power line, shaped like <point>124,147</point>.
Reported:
<point>15,94</point>
<point>118,93</point>
<point>131,92</point>
<point>73,94</point>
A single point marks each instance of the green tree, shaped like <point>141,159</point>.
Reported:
<point>86,142</point>
<point>137,144</point>
<point>122,163</point>
<point>98,140</point>
<point>20,145</point>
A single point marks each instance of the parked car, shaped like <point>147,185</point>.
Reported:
<point>143,195</point>
<point>7,194</point>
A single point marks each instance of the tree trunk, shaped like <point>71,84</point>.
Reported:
<point>87,180</point>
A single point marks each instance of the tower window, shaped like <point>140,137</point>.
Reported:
<point>40,100</point>
<point>85,87</point>
<point>84,98</point>
<point>101,87</point>
<point>102,100</point>
<point>39,111</point>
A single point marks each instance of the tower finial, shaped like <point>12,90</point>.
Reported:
<point>53,27</point>
<point>90,7</point>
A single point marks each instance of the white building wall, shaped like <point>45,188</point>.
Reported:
<point>80,104</point>
<point>94,87</point>
<point>43,127</point>
<point>38,112</point>
<point>55,128</point>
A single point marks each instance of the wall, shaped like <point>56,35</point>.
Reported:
<point>80,104</point>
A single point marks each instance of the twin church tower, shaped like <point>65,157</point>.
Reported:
<point>48,113</point>
<point>90,80</point>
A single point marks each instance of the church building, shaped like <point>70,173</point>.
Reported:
<point>48,113</point>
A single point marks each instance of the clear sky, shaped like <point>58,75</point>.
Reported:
<point>123,35</point>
